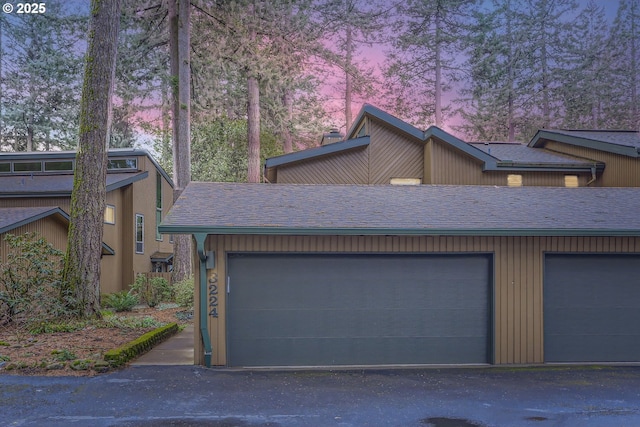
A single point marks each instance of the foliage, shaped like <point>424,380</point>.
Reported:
<point>46,327</point>
<point>31,291</point>
<point>120,301</point>
<point>124,322</point>
<point>122,355</point>
<point>183,292</point>
<point>152,290</point>
<point>41,65</point>
<point>63,355</point>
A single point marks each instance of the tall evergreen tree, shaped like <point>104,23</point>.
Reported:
<point>41,70</point>
<point>81,273</point>
<point>623,110</point>
<point>585,83</point>
<point>423,63</point>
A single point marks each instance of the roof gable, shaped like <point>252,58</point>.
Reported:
<point>11,218</point>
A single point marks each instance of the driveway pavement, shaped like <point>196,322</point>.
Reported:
<point>196,396</point>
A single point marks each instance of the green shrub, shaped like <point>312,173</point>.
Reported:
<point>122,355</point>
<point>151,290</point>
<point>120,301</point>
<point>131,322</point>
<point>62,355</point>
<point>31,289</point>
<point>183,292</point>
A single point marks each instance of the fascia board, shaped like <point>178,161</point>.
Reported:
<point>312,153</point>
<point>293,231</point>
<point>543,135</point>
<point>124,182</point>
<point>36,217</point>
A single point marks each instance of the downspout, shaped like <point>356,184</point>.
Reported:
<point>593,175</point>
<point>204,331</point>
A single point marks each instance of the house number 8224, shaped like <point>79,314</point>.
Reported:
<point>213,295</point>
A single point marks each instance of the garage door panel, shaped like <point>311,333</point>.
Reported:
<point>357,309</point>
<point>592,308</point>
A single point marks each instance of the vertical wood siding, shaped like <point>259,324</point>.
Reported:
<point>453,167</point>
<point>392,155</point>
<point>620,171</point>
<point>517,278</point>
<point>342,168</point>
<point>53,230</point>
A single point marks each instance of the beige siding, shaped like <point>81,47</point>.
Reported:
<point>392,155</point>
<point>517,281</point>
<point>60,202</point>
<point>52,229</point>
<point>620,171</point>
<point>343,168</point>
<point>450,166</point>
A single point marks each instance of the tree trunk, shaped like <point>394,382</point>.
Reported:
<point>253,124</point>
<point>180,55</point>
<point>253,113</point>
<point>287,137</point>
<point>348,91</point>
<point>438,68</point>
<point>81,273</point>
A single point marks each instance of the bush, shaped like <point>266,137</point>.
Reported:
<point>120,301</point>
<point>122,355</point>
<point>183,292</point>
<point>31,289</point>
<point>151,290</point>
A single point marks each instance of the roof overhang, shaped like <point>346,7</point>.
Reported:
<point>542,136</point>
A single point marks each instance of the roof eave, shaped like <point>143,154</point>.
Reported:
<point>303,231</point>
<point>544,135</point>
<point>36,217</point>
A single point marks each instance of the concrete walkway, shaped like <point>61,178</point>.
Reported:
<point>177,350</point>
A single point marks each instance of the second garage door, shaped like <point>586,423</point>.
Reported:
<point>592,308</point>
<point>321,310</point>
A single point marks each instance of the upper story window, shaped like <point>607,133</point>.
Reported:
<point>110,214</point>
<point>27,166</point>
<point>514,180</point>
<point>58,166</point>
<point>122,164</point>
<point>571,181</point>
<point>5,167</point>
<point>158,205</point>
<point>405,181</point>
<point>139,234</point>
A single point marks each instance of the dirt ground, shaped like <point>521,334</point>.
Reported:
<point>78,353</point>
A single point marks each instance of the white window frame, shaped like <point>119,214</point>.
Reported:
<point>135,231</point>
<point>111,208</point>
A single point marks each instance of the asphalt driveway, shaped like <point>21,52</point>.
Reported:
<point>196,396</point>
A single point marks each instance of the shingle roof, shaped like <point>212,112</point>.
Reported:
<point>233,208</point>
<point>11,218</point>
<point>516,152</point>
<point>51,185</point>
<point>619,141</point>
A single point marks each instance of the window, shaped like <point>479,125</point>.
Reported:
<point>58,166</point>
<point>158,205</point>
<point>139,234</point>
<point>110,214</point>
<point>118,164</point>
<point>571,180</point>
<point>405,181</point>
<point>5,167</point>
<point>514,180</point>
<point>27,167</point>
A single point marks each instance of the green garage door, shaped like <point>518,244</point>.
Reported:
<point>592,308</point>
<point>320,310</point>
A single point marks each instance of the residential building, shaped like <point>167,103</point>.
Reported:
<point>139,194</point>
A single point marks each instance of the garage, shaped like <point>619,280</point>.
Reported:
<point>592,308</point>
<point>358,309</point>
